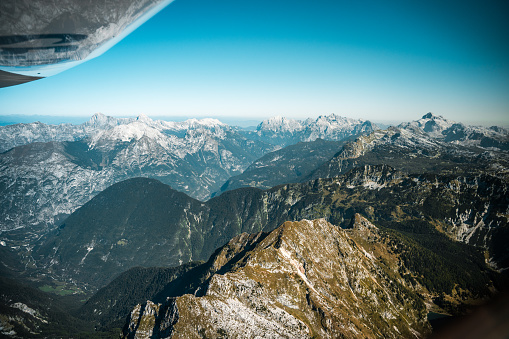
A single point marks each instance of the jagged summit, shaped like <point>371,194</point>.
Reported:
<point>429,115</point>
<point>97,117</point>
<point>431,124</point>
<point>334,118</point>
<point>446,130</point>
<point>133,131</point>
<point>280,124</point>
<point>101,121</point>
<point>144,118</point>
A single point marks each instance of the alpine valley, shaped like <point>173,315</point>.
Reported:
<point>321,228</point>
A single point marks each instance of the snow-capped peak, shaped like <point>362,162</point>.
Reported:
<point>431,124</point>
<point>328,127</point>
<point>190,124</point>
<point>210,122</point>
<point>331,121</point>
<point>127,133</point>
<point>440,128</point>
<point>280,124</point>
<point>197,134</point>
<point>144,118</point>
<point>335,121</point>
<point>206,122</point>
<point>97,119</point>
<point>437,118</point>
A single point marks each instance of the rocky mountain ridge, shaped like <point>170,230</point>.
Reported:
<point>471,209</point>
<point>284,131</point>
<point>286,165</point>
<point>304,279</point>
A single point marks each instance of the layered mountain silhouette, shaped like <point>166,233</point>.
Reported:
<point>325,227</point>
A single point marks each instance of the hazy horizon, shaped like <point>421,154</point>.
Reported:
<point>229,120</point>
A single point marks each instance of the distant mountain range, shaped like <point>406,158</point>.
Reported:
<point>425,145</point>
<point>415,150</point>
<point>452,132</point>
<point>325,227</point>
<point>282,131</point>
<point>54,169</point>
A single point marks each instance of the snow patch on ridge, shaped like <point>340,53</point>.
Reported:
<point>89,249</point>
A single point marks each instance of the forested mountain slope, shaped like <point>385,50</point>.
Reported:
<point>144,222</point>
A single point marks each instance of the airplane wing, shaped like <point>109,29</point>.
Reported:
<point>40,38</point>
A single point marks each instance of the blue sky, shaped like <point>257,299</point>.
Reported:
<point>378,60</point>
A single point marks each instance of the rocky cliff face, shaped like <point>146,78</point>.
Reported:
<point>304,279</point>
